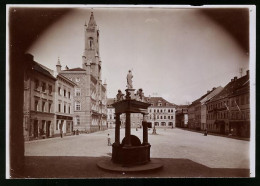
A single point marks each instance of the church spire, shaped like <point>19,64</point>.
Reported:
<point>92,23</point>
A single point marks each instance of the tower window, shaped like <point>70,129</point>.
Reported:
<point>91,43</point>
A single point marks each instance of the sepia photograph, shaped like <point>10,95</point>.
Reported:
<point>99,91</point>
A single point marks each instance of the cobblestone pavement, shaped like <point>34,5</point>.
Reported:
<point>210,151</point>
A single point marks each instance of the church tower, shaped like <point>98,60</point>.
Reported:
<point>91,56</point>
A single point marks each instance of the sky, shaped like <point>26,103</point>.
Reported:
<point>178,54</point>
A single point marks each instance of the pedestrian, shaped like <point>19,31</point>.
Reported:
<point>108,140</point>
<point>61,133</point>
<point>205,132</point>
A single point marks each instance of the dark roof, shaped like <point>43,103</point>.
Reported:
<point>110,101</point>
<point>75,69</point>
<point>156,100</point>
<point>36,66</point>
<point>202,97</point>
<point>68,80</point>
<point>182,106</point>
<point>231,87</point>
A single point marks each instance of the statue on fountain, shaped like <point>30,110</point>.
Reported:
<point>129,78</point>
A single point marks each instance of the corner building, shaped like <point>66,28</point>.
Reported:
<point>39,99</point>
<point>90,110</point>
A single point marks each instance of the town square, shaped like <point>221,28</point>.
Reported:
<point>125,92</point>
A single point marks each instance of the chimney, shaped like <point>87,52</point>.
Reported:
<point>208,91</point>
<point>235,78</point>
<point>232,80</point>
<point>67,68</point>
<point>247,72</point>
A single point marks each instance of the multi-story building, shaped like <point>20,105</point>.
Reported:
<point>209,96</point>
<point>136,118</point>
<point>191,116</point>
<point>90,109</point>
<point>64,111</point>
<point>161,112</point>
<point>181,116</point>
<point>197,110</point>
<point>39,96</point>
<point>219,107</point>
<point>111,113</point>
<point>239,100</point>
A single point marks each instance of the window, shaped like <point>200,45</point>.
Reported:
<point>171,110</point>
<point>36,84</point>
<point>59,90</point>
<point>44,87</point>
<point>57,123</point>
<point>164,117</point>
<point>77,92</point>
<point>170,124</point>
<point>163,124</point>
<point>237,101</point>
<point>169,117</point>
<point>91,44</point>
<point>43,106</point>
<point>50,89</point>
<point>69,95</point>
<point>156,124</point>
<point>36,103</point>
<point>59,107</point>
<point>161,117</point>
<point>242,100</point>
<point>64,93</point>
<point>64,108</point>
<point>77,120</point>
<point>49,107</point>
<point>157,117</point>
<point>77,106</point>
<point>69,109</point>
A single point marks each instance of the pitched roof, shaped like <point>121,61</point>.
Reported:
<point>92,22</point>
<point>231,87</point>
<point>38,67</point>
<point>156,100</point>
<point>75,69</point>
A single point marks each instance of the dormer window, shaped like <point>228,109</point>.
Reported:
<point>159,103</point>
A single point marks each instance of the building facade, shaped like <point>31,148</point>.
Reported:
<point>182,116</point>
<point>209,96</point>
<point>64,103</point>
<point>223,108</point>
<point>90,110</point>
<point>240,111</point>
<point>161,112</point>
<point>39,97</point>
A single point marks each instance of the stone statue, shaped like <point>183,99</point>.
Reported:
<point>129,80</point>
<point>140,94</point>
<point>119,96</point>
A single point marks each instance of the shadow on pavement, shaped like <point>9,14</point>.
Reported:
<point>85,167</point>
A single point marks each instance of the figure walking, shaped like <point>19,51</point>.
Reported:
<point>205,132</point>
<point>108,140</point>
<point>61,133</point>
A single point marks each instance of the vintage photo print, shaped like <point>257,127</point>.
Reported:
<point>98,91</point>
